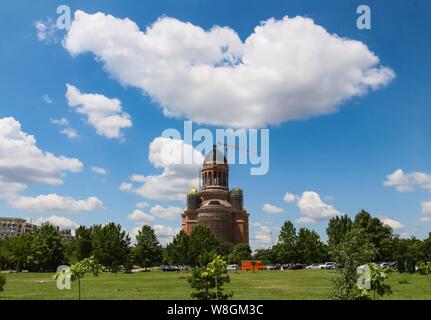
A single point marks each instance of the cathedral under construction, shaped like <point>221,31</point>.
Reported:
<point>214,205</point>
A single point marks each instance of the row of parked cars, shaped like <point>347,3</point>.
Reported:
<point>324,266</point>
<point>168,268</point>
<point>287,266</point>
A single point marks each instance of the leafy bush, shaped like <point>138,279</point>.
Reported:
<point>208,282</point>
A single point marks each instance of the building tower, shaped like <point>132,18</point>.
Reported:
<point>214,206</point>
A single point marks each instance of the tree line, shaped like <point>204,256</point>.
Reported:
<point>361,240</point>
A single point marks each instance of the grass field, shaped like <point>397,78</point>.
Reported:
<point>155,285</point>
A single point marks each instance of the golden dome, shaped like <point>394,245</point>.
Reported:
<point>193,191</point>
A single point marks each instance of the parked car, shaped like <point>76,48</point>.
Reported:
<point>269,267</point>
<point>314,266</point>
<point>296,266</point>
<point>384,265</point>
<point>329,266</point>
<point>169,268</point>
<point>232,267</point>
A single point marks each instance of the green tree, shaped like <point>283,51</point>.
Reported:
<point>355,250</point>
<point>81,246</point>
<point>47,248</point>
<point>177,251</point>
<point>208,282</point>
<point>337,229</point>
<point>265,256</point>
<point>148,251</point>
<point>408,252</point>
<point>78,270</point>
<point>379,234</point>
<point>203,245</point>
<point>241,252</point>
<point>15,252</point>
<point>225,248</point>
<point>110,246</point>
<point>309,247</point>
<point>286,249</point>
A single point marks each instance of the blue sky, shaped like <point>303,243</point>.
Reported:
<point>344,157</point>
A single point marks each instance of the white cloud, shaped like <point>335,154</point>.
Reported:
<point>140,216</point>
<point>262,236</point>
<point>405,235</point>
<point>394,224</point>
<point>166,213</point>
<point>426,211</point>
<point>60,122</point>
<point>21,161</point>
<point>99,170</point>
<point>286,69</point>
<point>62,222</point>
<point>164,233</point>
<point>313,208</point>
<point>56,203</point>
<point>104,114</point>
<point>67,130</point>
<point>269,208</point>
<point>305,220</point>
<point>426,207</point>
<point>142,205</point>
<point>47,99</point>
<point>70,133</point>
<point>405,182</point>
<point>290,197</point>
<point>175,180</point>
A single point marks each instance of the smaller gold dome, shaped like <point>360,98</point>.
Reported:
<point>193,191</point>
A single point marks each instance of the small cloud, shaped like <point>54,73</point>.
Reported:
<point>404,235</point>
<point>70,133</point>
<point>269,208</point>
<point>166,213</point>
<point>426,211</point>
<point>394,224</point>
<point>67,130</point>
<point>62,222</point>
<point>99,170</point>
<point>47,99</point>
<point>106,115</point>
<point>290,197</point>
<point>140,216</point>
<point>142,205</point>
<point>426,207</point>
<point>60,122</point>
<point>406,182</point>
<point>305,220</point>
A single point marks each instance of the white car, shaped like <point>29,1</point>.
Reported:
<point>329,265</point>
<point>232,267</point>
<point>314,266</point>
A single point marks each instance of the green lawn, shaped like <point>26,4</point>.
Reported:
<point>289,285</point>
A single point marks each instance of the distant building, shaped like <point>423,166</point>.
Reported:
<point>214,205</point>
<point>12,227</point>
